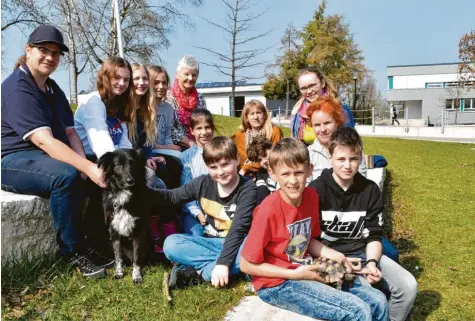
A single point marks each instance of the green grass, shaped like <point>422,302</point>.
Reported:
<point>430,203</point>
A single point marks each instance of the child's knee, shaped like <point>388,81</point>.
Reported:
<point>172,247</point>
<point>361,311</point>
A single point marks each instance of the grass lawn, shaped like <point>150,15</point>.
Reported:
<point>430,201</point>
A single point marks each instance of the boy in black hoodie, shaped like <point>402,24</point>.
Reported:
<point>351,220</point>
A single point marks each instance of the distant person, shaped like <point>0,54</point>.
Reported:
<point>312,85</point>
<point>41,151</point>
<point>395,117</point>
<point>185,98</point>
<point>255,121</point>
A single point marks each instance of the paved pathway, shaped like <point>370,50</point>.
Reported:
<point>251,308</point>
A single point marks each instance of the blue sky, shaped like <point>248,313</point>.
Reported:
<point>388,32</point>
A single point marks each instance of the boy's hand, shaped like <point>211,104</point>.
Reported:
<point>201,218</point>
<point>374,274</point>
<point>351,264</point>
<point>305,272</point>
<point>220,276</point>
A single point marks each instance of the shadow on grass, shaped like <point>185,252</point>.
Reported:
<point>426,302</point>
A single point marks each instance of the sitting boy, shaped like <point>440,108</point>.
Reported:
<point>258,152</point>
<point>351,214</point>
<point>283,230</point>
<point>227,199</point>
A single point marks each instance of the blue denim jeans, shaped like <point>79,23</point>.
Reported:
<point>201,253</point>
<point>320,301</point>
<point>34,172</point>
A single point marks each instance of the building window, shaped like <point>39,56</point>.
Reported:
<point>390,82</point>
<point>469,103</point>
<point>434,84</point>
<point>462,104</point>
<point>453,104</point>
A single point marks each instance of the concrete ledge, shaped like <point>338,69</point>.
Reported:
<point>27,226</point>
<point>377,175</point>
<point>253,308</point>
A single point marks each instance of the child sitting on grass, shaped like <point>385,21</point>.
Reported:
<point>202,128</point>
<point>283,233</point>
<point>227,200</point>
<point>351,211</point>
<point>258,152</point>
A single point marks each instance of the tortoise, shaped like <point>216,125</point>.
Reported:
<point>333,272</point>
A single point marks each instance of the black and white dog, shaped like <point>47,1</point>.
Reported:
<point>126,209</point>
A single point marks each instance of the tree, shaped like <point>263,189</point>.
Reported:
<point>467,60</point>
<point>239,17</point>
<point>327,43</point>
<point>91,30</point>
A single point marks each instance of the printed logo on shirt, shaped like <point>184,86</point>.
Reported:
<point>115,129</point>
<point>349,225</point>
<point>221,215</point>
<point>300,233</point>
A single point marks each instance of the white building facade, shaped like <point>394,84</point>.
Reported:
<point>431,94</point>
<point>218,97</point>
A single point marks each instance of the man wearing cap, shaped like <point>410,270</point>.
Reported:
<point>41,152</point>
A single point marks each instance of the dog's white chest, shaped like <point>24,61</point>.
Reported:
<point>123,223</point>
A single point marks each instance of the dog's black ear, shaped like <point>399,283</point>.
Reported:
<point>105,161</point>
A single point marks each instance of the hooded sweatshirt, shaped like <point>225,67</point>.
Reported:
<point>349,219</point>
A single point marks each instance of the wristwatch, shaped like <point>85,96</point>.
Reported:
<point>372,260</point>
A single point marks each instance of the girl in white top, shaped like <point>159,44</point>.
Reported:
<point>100,119</point>
<point>325,115</point>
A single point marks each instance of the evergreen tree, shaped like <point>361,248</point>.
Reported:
<point>325,42</point>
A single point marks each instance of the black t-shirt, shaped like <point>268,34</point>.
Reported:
<point>26,109</point>
<point>228,217</point>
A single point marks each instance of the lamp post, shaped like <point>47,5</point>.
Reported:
<point>355,79</point>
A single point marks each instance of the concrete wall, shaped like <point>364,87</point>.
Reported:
<point>455,133</point>
<point>433,101</point>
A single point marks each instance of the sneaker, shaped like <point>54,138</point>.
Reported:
<point>98,259</point>
<point>86,267</point>
<point>183,276</point>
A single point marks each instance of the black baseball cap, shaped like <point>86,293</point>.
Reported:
<point>47,33</point>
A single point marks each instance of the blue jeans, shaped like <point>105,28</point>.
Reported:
<point>390,250</point>
<point>320,301</point>
<point>201,253</point>
<point>34,172</point>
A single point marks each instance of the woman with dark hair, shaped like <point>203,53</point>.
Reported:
<point>312,85</point>
<point>41,151</point>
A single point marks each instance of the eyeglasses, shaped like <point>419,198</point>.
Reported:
<point>303,90</point>
<point>46,51</point>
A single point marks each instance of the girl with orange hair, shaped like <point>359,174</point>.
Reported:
<point>325,115</point>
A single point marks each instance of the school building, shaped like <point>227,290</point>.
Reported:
<point>218,97</point>
<point>431,94</point>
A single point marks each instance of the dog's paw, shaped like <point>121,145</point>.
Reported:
<point>119,276</point>
<point>138,280</point>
